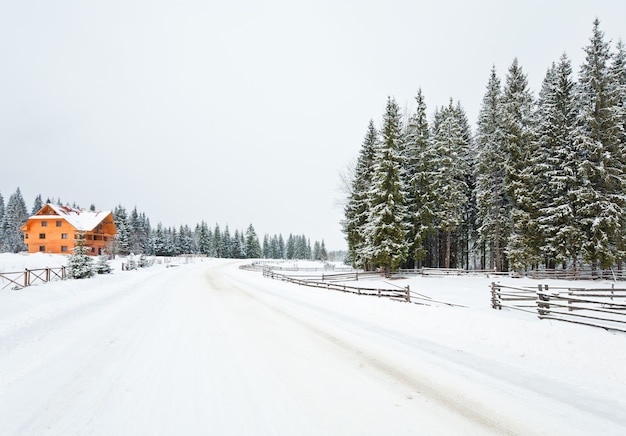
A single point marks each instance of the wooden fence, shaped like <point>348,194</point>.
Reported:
<point>28,277</point>
<point>601,307</point>
<point>400,293</point>
<point>334,282</point>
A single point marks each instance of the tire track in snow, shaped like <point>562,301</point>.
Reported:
<point>425,387</point>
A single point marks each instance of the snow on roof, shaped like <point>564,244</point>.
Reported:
<point>81,219</point>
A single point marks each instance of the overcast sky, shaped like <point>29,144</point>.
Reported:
<point>246,111</point>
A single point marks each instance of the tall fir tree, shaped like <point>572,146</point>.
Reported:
<point>1,222</point>
<point>598,139</point>
<point>449,176</point>
<point>493,205</point>
<point>357,207</point>
<point>419,161</point>
<point>122,225</point>
<point>252,246</point>
<point>15,215</point>
<point>517,129</point>
<point>37,205</point>
<point>555,165</point>
<point>386,228</point>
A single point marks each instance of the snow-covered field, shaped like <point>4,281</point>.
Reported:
<point>207,348</point>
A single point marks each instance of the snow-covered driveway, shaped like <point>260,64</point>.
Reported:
<point>210,349</point>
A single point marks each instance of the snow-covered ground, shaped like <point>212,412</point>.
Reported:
<point>207,348</point>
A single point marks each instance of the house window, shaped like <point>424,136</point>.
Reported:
<point>63,248</point>
<point>59,223</point>
<point>63,235</point>
<point>25,235</point>
<point>44,224</point>
<point>42,236</point>
<point>106,239</point>
<point>42,248</point>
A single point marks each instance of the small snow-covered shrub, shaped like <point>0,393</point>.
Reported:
<point>103,266</point>
<point>80,264</point>
<point>144,262</point>
<point>131,263</point>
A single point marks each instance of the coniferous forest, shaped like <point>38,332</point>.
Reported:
<point>540,183</point>
<point>136,236</point>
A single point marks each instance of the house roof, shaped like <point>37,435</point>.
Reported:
<point>82,220</point>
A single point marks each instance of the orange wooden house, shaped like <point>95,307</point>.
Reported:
<point>54,229</point>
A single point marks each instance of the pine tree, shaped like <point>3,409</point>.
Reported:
<point>449,176</point>
<point>204,237</point>
<point>102,265</point>
<point>517,129</point>
<point>598,138</point>
<point>1,223</point>
<point>493,205</point>
<point>323,256</point>
<point>37,205</point>
<point>79,263</point>
<point>218,243</point>
<point>122,239</point>
<point>555,167</point>
<point>357,207</point>
<point>419,161</point>
<point>386,227</point>
<point>253,249</point>
<point>618,75</point>
<point>15,215</point>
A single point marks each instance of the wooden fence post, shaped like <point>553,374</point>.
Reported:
<point>543,308</point>
<point>496,302</point>
<point>408,294</point>
<point>26,277</point>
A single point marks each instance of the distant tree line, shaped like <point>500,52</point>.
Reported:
<point>136,235</point>
<point>541,183</point>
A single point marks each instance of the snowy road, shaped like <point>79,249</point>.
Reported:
<point>209,349</point>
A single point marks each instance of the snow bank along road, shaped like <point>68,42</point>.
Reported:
<point>210,349</point>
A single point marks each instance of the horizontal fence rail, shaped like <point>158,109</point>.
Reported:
<point>403,294</point>
<point>29,277</point>
<point>600,307</point>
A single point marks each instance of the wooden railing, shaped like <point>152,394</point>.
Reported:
<point>28,277</point>
<point>400,293</point>
<point>600,307</point>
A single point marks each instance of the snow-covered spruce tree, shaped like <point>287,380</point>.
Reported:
<point>419,161</point>
<point>252,246</point>
<point>517,129</point>
<point>227,246</point>
<point>598,138</point>
<point>386,227</point>
<point>450,146</point>
<point>218,243</point>
<point>618,74</point>
<point>79,263</point>
<point>1,222</point>
<point>122,225</point>
<point>467,232</point>
<point>555,167</point>
<point>37,205</point>
<point>323,255</point>
<point>15,215</point>
<point>102,266</point>
<point>492,203</point>
<point>356,211</point>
